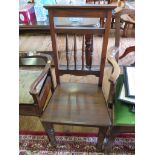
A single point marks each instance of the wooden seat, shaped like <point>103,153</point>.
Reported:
<point>79,104</point>
<point>69,104</point>
<point>34,85</point>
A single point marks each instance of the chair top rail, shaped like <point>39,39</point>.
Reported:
<point>86,6</point>
<point>87,10</point>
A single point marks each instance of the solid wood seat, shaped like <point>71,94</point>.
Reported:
<point>69,104</point>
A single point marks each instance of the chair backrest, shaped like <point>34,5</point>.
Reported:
<point>86,11</point>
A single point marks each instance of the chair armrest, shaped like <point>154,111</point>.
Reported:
<point>118,10</point>
<point>34,89</point>
<point>128,11</point>
<point>114,75</point>
<point>127,51</point>
<point>116,69</point>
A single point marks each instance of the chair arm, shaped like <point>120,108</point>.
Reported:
<point>127,51</point>
<point>118,10</point>
<point>128,11</point>
<point>116,69</point>
<point>34,88</point>
<point>114,75</point>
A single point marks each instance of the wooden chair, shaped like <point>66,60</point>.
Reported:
<point>35,84</point>
<point>79,104</point>
<point>123,119</point>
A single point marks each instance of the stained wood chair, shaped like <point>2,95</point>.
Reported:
<point>123,119</point>
<point>79,104</point>
<point>35,84</point>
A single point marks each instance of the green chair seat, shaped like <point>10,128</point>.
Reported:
<point>121,111</point>
<point>26,78</point>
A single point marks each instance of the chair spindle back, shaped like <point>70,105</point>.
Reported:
<point>84,11</point>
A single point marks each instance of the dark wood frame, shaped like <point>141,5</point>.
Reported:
<point>39,96</point>
<point>82,11</point>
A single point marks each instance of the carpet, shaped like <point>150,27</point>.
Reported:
<point>36,143</point>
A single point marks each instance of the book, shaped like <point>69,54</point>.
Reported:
<point>129,81</point>
<point>125,98</point>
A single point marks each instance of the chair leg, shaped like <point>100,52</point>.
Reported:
<point>101,136</point>
<point>108,146</point>
<point>50,132</point>
<point>125,30</point>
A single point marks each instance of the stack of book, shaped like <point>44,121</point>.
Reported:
<point>127,93</point>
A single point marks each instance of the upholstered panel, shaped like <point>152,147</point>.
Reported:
<point>26,78</point>
<point>122,114</point>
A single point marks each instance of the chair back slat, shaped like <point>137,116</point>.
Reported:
<point>89,11</point>
<point>75,50</point>
<point>83,50</point>
<point>89,49</point>
<point>67,51</point>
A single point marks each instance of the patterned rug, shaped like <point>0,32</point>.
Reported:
<point>36,143</point>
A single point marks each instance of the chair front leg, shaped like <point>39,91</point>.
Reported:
<point>50,132</point>
<point>109,144</point>
<point>101,136</point>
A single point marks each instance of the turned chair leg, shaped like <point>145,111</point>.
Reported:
<point>108,145</point>
<point>101,136</point>
<point>50,132</point>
